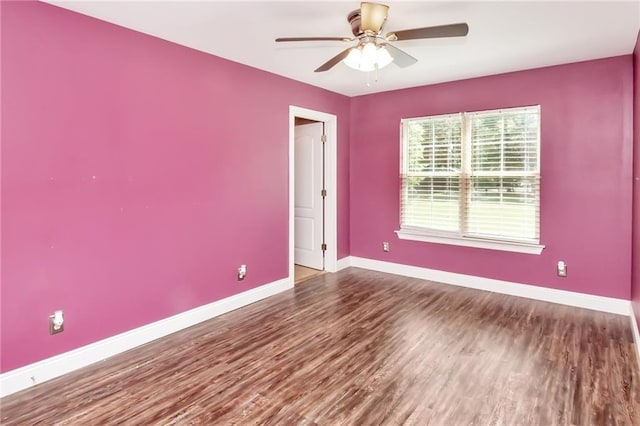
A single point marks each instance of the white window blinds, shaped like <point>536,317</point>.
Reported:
<point>431,182</point>
<point>473,175</point>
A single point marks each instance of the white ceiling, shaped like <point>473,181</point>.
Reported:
<point>503,36</point>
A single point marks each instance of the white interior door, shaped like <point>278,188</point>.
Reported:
<point>308,215</point>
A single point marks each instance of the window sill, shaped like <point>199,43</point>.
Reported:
<point>511,246</point>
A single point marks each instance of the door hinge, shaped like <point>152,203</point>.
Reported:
<point>323,138</point>
<point>323,193</point>
<point>324,247</point>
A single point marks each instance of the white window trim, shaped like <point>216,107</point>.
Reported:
<point>458,240</point>
<point>455,238</point>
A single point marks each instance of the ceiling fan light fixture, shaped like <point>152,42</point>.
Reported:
<point>383,57</point>
<point>375,51</point>
<point>368,57</point>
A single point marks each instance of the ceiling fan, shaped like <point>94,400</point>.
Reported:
<point>373,50</point>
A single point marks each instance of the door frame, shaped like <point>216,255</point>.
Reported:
<point>331,185</point>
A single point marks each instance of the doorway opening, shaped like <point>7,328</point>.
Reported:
<point>309,194</point>
<point>312,193</point>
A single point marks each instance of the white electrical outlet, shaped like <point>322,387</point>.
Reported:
<point>385,246</point>
<point>56,322</point>
<point>562,268</point>
<point>242,272</point>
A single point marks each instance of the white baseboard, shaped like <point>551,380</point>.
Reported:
<point>636,334</point>
<point>50,368</point>
<point>581,300</point>
<point>343,263</point>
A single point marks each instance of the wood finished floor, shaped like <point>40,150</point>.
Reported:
<point>362,348</point>
<point>302,273</point>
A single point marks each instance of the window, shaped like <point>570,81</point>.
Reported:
<point>473,179</point>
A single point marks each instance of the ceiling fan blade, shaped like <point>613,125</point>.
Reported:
<point>281,39</point>
<point>400,57</point>
<point>333,61</point>
<point>372,16</point>
<point>452,30</point>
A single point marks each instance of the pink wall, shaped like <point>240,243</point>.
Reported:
<point>635,274</point>
<point>586,139</point>
<point>136,176</point>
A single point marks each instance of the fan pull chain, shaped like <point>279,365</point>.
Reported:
<point>375,77</point>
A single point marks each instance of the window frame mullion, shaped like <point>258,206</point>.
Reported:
<point>465,171</point>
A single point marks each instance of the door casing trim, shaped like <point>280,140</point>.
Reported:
<point>331,185</point>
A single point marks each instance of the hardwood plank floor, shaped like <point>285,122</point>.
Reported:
<point>363,348</point>
<point>302,273</point>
